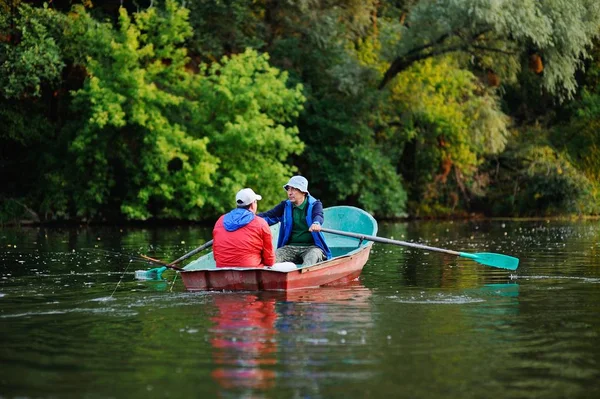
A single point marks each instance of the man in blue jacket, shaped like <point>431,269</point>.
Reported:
<point>301,216</point>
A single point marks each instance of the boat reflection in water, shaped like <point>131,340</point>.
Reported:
<point>244,341</point>
<point>248,327</point>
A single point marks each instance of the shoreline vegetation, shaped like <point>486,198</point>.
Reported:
<point>157,112</point>
<point>25,223</point>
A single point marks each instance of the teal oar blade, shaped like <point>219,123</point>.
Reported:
<point>156,273</point>
<point>152,274</point>
<point>491,259</point>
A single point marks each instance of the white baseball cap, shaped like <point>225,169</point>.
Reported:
<point>298,182</point>
<point>246,196</point>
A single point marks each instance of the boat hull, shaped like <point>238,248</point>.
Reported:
<point>339,270</point>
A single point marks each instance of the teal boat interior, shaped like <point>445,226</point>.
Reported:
<point>344,218</point>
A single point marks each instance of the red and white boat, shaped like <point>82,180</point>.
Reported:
<point>349,257</point>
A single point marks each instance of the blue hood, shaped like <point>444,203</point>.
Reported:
<point>237,219</point>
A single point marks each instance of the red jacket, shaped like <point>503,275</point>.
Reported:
<point>248,246</point>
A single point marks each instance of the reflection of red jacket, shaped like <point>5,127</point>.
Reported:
<point>249,246</point>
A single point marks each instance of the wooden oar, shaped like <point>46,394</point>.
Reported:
<point>157,272</point>
<point>192,253</point>
<point>485,258</point>
<point>160,262</point>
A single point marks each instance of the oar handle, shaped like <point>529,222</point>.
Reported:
<point>192,253</point>
<point>389,241</point>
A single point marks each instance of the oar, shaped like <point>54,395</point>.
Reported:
<point>156,273</point>
<point>192,253</point>
<point>485,258</point>
<point>160,262</point>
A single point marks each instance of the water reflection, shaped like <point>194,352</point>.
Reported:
<point>505,290</point>
<point>497,311</point>
<point>354,292</point>
<point>255,334</point>
<point>244,341</point>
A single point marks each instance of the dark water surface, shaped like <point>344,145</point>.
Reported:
<point>75,323</point>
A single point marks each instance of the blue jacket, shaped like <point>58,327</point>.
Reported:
<point>283,213</point>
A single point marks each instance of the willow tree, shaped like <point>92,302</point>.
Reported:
<point>551,36</point>
<point>445,59</point>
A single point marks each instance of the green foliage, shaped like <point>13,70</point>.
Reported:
<point>578,136</point>
<point>105,120</point>
<point>23,123</point>
<point>32,62</point>
<point>29,54</point>
<point>11,211</point>
<point>532,178</point>
<point>317,42</point>
<point>449,122</point>
<point>346,159</point>
<point>246,111</point>
<point>226,27</point>
<point>499,35</point>
<point>158,140</point>
<point>126,142</point>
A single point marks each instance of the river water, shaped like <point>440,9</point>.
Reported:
<point>75,323</point>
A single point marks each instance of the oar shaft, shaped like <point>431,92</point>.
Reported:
<point>389,241</point>
<point>160,262</point>
<point>192,253</point>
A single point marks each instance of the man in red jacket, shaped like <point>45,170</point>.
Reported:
<point>240,238</point>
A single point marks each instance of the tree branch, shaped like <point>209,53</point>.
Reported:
<point>493,50</point>
<point>419,53</point>
<point>400,64</point>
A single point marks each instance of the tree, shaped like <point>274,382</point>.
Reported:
<point>156,139</point>
<point>554,35</point>
<point>317,41</point>
<point>246,110</point>
<point>532,177</point>
<point>450,121</point>
<point>225,28</point>
<point>31,67</point>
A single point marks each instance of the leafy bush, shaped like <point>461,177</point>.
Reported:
<point>531,178</point>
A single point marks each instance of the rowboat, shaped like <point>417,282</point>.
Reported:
<point>349,255</point>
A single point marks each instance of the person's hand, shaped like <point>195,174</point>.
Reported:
<point>314,228</point>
